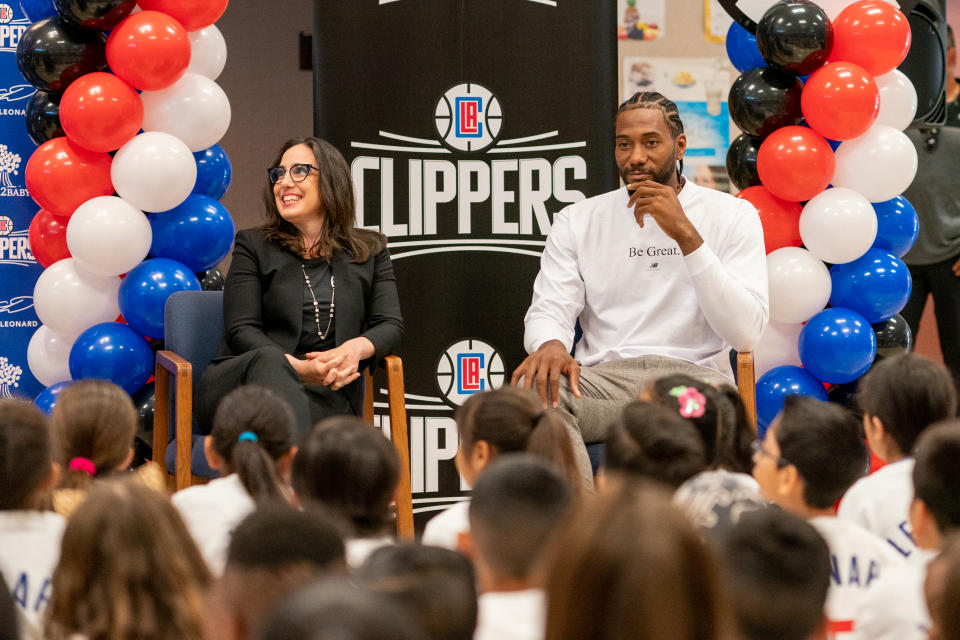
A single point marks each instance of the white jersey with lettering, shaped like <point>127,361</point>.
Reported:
<point>636,294</point>
<point>880,503</point>
<point>895,608</point>
<point>857,560</point>
<point>29,552</point>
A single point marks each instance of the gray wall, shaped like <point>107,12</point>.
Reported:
<point>270,98</point>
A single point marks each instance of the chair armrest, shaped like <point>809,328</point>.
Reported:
<point>747,385</point>
<point>399,436</point>
<point>169,363</point>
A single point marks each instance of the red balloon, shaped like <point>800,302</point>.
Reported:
<point>780,219</point>
<point>873,34</point>
<point>100,112</point>
<point>840,101</point>
<point>61,176</point>
<point>149,50</point>
<point>192,14</point>
<point>48,238</point>
<point>795,163</point>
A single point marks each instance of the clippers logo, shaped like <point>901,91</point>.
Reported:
<point>6,225</point>
<point>469,367</point>
<point>6,14</point>
<point>468,117</point>
<point>10,29</point>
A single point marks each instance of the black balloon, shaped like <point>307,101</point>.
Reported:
<point>43,117</point>
<point>845,394</point>
<point>742,161</point>
<point>795,35</point>
<point>211,280</point>
<point>52,54</point>
<point>95,14</point>
<point>144,400</point>
<point>763,100</point>
<point>893,337</point>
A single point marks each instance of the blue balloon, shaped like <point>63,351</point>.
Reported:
<point>48,397</point>
<point>36,10</point>
<point>876,285</point>
<point>837,345</point>
<point>777,384</point>
<point>145,289</point>
<point>897,226</point>
<point>197,233</point>
<point>742,49</point>
<point>112,351</point>
<point>213,172</point>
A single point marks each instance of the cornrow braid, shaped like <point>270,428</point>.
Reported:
<point>666,106</point>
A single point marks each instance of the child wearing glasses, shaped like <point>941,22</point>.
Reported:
<point>310,299</point>
<point>810,455</point>
<point>900,397</point>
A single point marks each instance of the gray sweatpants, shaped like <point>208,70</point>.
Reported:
<point>606,387</point>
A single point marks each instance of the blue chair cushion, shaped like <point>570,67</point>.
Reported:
<point>198,460</point>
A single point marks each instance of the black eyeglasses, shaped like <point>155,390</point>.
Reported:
<point>758,450</point>
<point>298,172</point>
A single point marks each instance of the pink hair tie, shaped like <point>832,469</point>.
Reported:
<point>84,464</point>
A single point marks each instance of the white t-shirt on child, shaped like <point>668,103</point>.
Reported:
<point>511,615</point>
<point>445,528</point>
<point>895,608</point>
<point>29,552</point>
<point>880,503</point>
<point>211,512</point>
<point>857,560</point>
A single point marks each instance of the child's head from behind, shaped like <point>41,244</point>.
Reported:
<point>517,505</point>
<point>900,397</point>
<point>26,456</point>
<point>510,420</point>
<point>128,568</point>
<point>349,467</point>
<point>655,442</point>
<point>935,511</point>
<point>252,436</point>
<point>94,423</point>
<point>810,455</point>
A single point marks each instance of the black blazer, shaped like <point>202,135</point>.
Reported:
<point>263,302</point>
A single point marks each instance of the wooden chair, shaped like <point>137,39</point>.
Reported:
<point>194,323</point>
<point>747,385</point>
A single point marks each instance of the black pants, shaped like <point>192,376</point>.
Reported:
<point>938,279</point>
<point>267,367</point>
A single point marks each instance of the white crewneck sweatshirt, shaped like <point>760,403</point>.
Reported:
<point>636,294</point>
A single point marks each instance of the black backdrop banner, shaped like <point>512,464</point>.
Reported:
<point>467,124</point>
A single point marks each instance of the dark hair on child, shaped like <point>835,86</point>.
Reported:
<point>936,473</point>
<point>277,535</point>
<point>351,469</point>
<point>518,504</point>
<point>907,393</point>
<point>8,614</point>
<point>436,584</point>
<point>26,455</point>
<point>653,441</point>
<point>721,420</point>
<point>93,421</point>
<point>334,609</point>
<point>777,574</point>
<point>944,612</point>
<point>252,429</point>
<point>823,441</point>
<point>512,420</point>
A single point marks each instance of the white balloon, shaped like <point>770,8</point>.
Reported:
<point>108,236</point>
<point>154,171</point>
<point>194,109</point>
<point>778,346</point>
<point>48,356</point>
<point>69,300</point>
<point>898,100</point>
<point>880,164</point>
<point>838,225</point>
<point>799,284</point>
<point>208,52</point>
<point>833,7</point>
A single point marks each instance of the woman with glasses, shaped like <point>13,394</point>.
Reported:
<point>310,300</point>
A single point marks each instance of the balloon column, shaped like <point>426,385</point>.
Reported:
<point>824,159</point>
<point>128,173</point>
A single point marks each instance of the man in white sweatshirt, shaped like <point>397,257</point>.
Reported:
<point>663,275</point>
